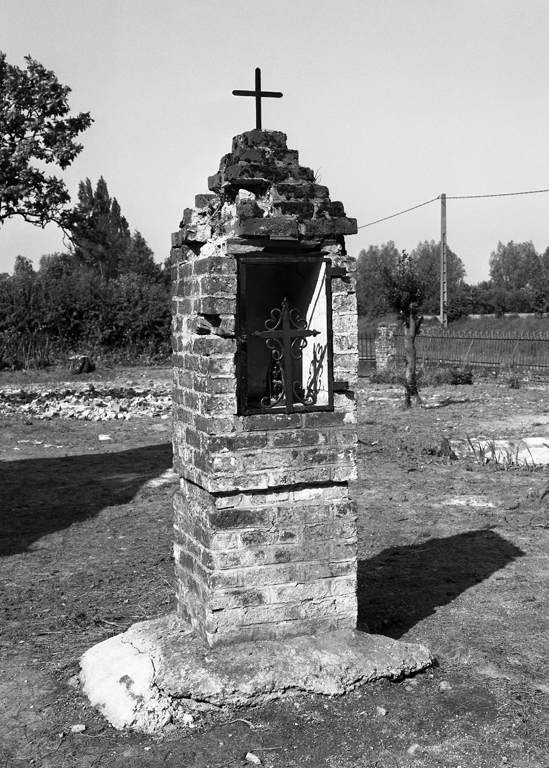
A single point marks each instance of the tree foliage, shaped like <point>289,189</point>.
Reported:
<point>425,259</point>
<point>370,286</point>
<point>102,240</point>
<point>70,308</point>
<point>35,127</point>
<point>105,295</point>
<point>403,287</point>
<point>515,265</point>
<point>519,281</point>
<point>102,234</point>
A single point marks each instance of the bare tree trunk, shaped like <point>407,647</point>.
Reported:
<point>411,329</point>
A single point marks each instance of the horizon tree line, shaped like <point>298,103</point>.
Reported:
<point>518,282</point>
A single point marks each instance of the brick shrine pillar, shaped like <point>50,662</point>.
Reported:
<point>264,439</point>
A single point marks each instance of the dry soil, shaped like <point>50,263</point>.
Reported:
<point>453,554</point>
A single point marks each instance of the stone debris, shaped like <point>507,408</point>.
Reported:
<point>81,364</point>
<point>88,403</point>
<point>528,451</point>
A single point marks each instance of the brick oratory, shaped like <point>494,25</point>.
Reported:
<point>265,439</point>
<point>265,372</point>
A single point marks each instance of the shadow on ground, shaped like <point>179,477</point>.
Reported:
<point>403,585</point>
<point>44,495</point>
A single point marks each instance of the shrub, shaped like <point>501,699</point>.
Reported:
<point>387,376</point>
<point>68,309</point>
<point>24,350</point>
<point>427,377</point>
<point>461,374</point>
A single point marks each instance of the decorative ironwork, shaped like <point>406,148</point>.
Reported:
<point>286,336</point>
<point>316,369</point>
<point>257,94</point>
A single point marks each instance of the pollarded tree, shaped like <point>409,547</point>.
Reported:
<point>404,291</point>
<point>35,127</point>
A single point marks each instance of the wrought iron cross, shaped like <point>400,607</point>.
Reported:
<point>283,329</point>
<point>258,93</point>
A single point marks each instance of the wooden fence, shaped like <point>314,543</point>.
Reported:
<point>494,348</point>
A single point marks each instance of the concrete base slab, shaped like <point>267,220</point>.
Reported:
<point>158,671</point>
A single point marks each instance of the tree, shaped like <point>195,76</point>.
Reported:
<point>459,303</point>
<point>138,259</point>
<point>426,259</point>
<point>541,291</point>
<point>25,311</point>
<point>20,320</point>
<point>370,295</point>
<point>64,288</point>
<point>404,291</point>
<point>35,127</point>
<point>102,235</point>
<point>515,265</point>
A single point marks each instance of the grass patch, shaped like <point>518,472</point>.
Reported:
<point>439,376</point>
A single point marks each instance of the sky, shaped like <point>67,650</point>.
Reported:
<point>391,102</point>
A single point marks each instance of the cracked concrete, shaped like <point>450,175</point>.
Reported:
<point>158,671</point>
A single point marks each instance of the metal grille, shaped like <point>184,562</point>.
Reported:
<point>286,336</point>
<point>492,348</point>
<point>367,346</point>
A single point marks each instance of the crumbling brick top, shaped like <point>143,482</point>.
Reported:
<point>258,159</point>
<point>261,190</point>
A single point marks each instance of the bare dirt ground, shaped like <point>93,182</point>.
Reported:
<point>453,554</point>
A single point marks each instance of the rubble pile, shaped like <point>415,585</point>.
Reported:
<point>87,403</point>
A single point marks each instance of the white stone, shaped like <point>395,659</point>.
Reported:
<point>530,451</point>
<point>119,679</point>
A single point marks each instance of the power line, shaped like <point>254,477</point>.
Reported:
<point>455,197</point>
<point>398,214</point>
<point>501,194</point>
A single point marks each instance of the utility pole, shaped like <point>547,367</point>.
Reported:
<point>443,260</point>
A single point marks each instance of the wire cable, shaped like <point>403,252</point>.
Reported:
<point>501,194</point>
<point>399,213</point>
<point>452,197</point>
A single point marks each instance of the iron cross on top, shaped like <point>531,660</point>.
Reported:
<point>258,93</point>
